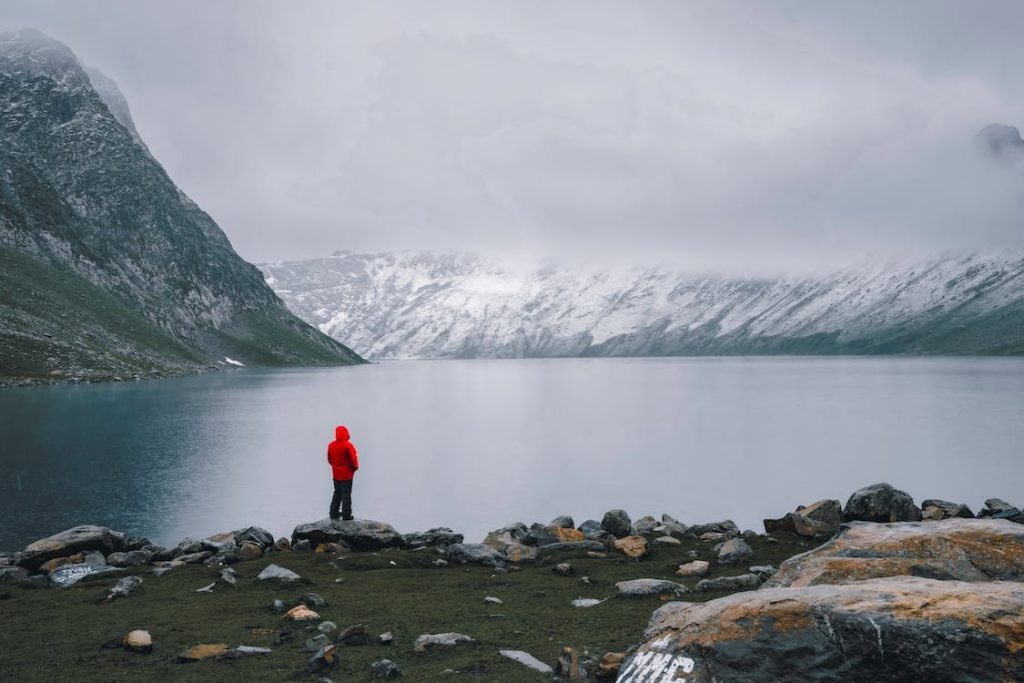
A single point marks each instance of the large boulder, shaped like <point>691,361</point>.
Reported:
<point>735,551</point>
<point>357,534</point>
<point>893,629</point>
<point>71,541</point>
<point>817,521</point>
<point>617,523</point>
<point>881,503</point>
<point>961,549</point>
<point>256,536</point>
<point>474,553</point>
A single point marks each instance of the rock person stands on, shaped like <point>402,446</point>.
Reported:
<point>341,454</point>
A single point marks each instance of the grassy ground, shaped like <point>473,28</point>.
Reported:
<point>56,634</point>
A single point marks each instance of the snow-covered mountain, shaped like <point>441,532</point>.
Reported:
<point>425,305</point>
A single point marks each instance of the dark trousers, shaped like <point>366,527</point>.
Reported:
<point>343,497</point>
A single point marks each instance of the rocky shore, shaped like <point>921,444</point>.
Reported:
<point>880,588</point>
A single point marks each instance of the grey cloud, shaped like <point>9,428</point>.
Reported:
<point>715,134</point>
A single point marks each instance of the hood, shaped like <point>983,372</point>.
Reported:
<point>341,433</point>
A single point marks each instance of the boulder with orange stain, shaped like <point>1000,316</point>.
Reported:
<point>894,629</point>
<point>632,546</point>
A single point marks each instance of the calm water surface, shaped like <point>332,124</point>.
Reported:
<point>478,444</point>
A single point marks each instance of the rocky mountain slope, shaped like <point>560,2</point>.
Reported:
<point>106,267</point>
<point>423,305</point>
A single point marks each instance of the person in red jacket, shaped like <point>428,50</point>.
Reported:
<point>344,460</point>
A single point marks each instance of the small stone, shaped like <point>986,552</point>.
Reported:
<point>440,563</point>
<point>279,606</point>
<point>302,546</point>
<point>493,600</point>
<point>564,569</point>
<point>316,642</point>
<point>386,638</point>
<point>714,536</point>
<point>667,540</point>
<point>282,544</point>
<point>568,665</point>
<point>429,640</point>
<point>385,668</point>
<point>695,568</point>
<point>203,651</point>
<point>354,635</point>
<point>610,664</point>
<point>729,583</point>
<point>301,613</point>
<point>160,571</point>
<point>527,660</point>
<point>643,588</point>
<point>249,551</point>
<point>246,650</point>
<point>327,627</point>
<point>228,575</point>
<point>138,641</point>
<point>272,571</point>
<point>646,524</point>
<point>765,571</point>
<point>326,658</point>
<point>124,587</point>
<point>313,601</point>
<point>586,602</point>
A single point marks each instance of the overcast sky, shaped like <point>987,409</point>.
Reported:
<point>717,134</point>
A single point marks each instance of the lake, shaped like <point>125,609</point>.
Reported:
<point>478,444</point>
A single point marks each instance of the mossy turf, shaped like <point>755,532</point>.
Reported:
<point>57,634</point>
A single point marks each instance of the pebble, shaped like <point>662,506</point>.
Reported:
<point>138,641</point>
<point>527,660</point>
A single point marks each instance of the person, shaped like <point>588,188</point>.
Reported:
<point>344,460</point>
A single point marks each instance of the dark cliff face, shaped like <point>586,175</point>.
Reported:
<point>82,201</point>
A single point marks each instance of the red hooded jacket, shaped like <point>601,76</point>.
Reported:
<point>342,455</point>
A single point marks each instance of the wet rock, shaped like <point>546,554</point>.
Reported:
<point>274,572</point>
<point>203,651</point>
<point>646,588</point>
<point>632,546</point>
<point>562,522</point>
<point>357,534</point>
<point>617,523</point>
<point>527,660</point>
<point>961,549</point>
<point>566,534</point>
<point>609,665</point>
<point>78,539</point>
<point>439,537</point>
<point>695,568</point>
<point>326,658</point>
<point>138,641</point>
<point>892,629</point>
<point>301,613</point>
<point>568,665</point>
<point>255,535</point>
<point>279,606</point>
<point>948,509</point>
<point>124,587</point>
<point>743,582</point>
<point>646,525</point>
<point>431,640</point>
<point>132,558</point>
<point>474,553</point>
<point>735,551</point>
<point>994,506</point>
<point>723,530</point>
<point>385,668</point>
<point>881,503</point>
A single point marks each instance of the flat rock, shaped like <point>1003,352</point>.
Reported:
<point>724,529</point>
<point>474,553</point>
<point>527,660</point>
<point>572,546</point>
<point>138,641</point>
<point>646,588</point>
<point>203,651</point>
<point>301,613</point>
<point>430,640</point>
<point>586,602</point>
<point>439,537</point>
<point>385,668</point>
<point>947,508</point>
<point>695,568</point>
<point>961,549</point>
<point>892,629</point>
<point>70,574</point>
<point>132,558</point>
<point>272,571</point>
<point>881,503</point>
<point>743,582</point>
<point>74,540</point>
<point>357,534</point>
<point>666,540</point>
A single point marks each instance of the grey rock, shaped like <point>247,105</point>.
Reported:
<point>274,572</point>
<point>357,534</point>
<point>327,627</point>
<point>226,553</point>
<point>124,587</point>
<point>385,668</point>
<point>948,509</point>
<point>526,659</point>
<point>440,537</point>
<point>326,658</point>
<point>70,574</point>
<point>255,535</point>
<point>591,526</point>
<point>763,571</point>
<point>132,558</point>
<point>735,551</point>
<point>316,642</point>
<point>646,525</point>
<point>727,528</point>
<point>303,546</point>
<point>586,602</point>
<point>431,640</point>
<point>194,558</point>
<point>729,583</point>
<point>386,638</point>
<point>617,523</point>
<point>227,575</point>
<point>313,600</point>
<point>562,522</point>
<point>517,531</point>
<point>647,588</point>
<point>474,553</point>
<point>279,606</point>
<point>573,547</point>
<point>881,503</point>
